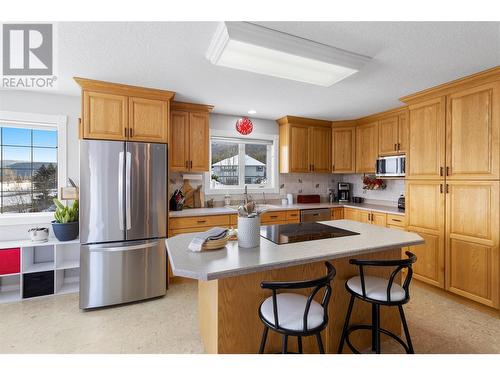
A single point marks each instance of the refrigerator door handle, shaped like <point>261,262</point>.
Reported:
<point>127,189</point>
<point>125,248</point>
<point>120,190</point>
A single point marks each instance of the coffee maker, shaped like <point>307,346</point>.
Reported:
<point>344,189</point>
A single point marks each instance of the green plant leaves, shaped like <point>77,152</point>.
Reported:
<point>65,214</point>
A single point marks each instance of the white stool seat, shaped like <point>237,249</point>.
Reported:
<point>291,308</point>
<point>376,288</point>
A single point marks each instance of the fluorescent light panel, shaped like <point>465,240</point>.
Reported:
<point>249,47</point>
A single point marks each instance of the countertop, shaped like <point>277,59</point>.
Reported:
<point>304,206</point>
<point>232,261</point>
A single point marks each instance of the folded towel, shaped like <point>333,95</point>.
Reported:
<point>210,235</point>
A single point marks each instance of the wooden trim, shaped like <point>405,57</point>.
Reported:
<point>191,107</point>
<point>381,115</point>
<point>303,121</point>
<point>344,123</point>
<point>489,75</point>
<point>122,89</point>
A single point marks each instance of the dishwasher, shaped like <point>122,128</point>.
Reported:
<point>321,214</point>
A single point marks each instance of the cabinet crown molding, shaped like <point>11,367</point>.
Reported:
<point>122,89</point>
<point>303,121</point>
<point>191,107</point>
<point>489,75</point>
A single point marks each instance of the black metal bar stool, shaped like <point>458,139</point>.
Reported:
<point>379,291</point>
<point>292,314</point>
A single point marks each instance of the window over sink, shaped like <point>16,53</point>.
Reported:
<point>236,162</point>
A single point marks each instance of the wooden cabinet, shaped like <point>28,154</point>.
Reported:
<point>189,137</point>
<point>472,133</point>
<point>293,216</point>
<point>273,217</point>
<point>425,216</point>
<point>365,216</point>
<point>472,237</point>
<point>393,134</point>
<point>105,116</point>
<point>388,136</point>
<point>426,152</point>
<point>344,148</point>
<point>148,120</point>
<point>112,111</point>
<point>320,149</point>
<point>305,145</point>
<point>337,213</point>
<point>366,147</point>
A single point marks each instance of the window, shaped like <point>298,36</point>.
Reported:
<point>236,162</point>
<point>30,162</point>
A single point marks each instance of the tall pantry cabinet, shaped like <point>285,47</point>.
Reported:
<point>452,187</point>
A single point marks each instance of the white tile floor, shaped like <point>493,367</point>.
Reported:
<point>438,324</point>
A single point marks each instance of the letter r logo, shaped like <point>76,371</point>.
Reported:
<point>27,49</point>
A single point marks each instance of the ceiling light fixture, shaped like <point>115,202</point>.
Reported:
<point>258,49</point>
<point>252,112</point>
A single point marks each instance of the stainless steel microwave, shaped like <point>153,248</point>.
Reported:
<point>391,166</point>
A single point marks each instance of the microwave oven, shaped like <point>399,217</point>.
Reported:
<point>391,166</point>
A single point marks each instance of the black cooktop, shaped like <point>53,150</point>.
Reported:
<point>289,233</point>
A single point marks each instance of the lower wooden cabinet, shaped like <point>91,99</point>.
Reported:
<point>337,213</point>
<point>472,236</point>
<point>364,216</point>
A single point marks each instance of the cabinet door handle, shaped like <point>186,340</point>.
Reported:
<point>441,171</point>
<point>201,221</point>
<point>187,164</point>
<point>447,171</point>
<point>131,132</point>
<point>333,167</point>
<point>399,221</point>
<point>126,132</point>
<point>399,146</point>
<point>273,217</point>
<point>447,189</point>
<point>191,164</point>
<point>395,146</point>
<point>441,188</point>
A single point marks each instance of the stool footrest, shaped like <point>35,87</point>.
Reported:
<point>370,327</point>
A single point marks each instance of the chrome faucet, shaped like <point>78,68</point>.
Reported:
<point>245,199</point>
<point>264,197</point>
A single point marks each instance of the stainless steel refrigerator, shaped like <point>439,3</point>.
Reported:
<point>123,222</point>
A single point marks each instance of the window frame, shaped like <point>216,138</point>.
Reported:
<point>40,121</point>
<point>273,168</point>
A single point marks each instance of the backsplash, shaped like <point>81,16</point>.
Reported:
<point>391,193</point>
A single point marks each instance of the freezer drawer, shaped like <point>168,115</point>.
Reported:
<point>122,272</point>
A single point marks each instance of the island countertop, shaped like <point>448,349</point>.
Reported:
<point>233,261</point>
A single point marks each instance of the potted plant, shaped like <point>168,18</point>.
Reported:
<point>65,225</point>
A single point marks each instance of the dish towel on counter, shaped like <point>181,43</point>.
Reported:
<point>210,235</point>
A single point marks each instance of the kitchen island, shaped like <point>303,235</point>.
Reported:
<point>229,292</point>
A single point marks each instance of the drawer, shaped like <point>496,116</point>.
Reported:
<point>233,220</point>
<point>38,284</point>
<point>273,217</point>
<point>174,232</point>
<point>293,216</point>
<point>199,221</point>
<point>397,220</point>
<point>10,260</point>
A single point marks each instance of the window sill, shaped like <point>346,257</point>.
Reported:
<point>252,191</point>
<point>26,219</point>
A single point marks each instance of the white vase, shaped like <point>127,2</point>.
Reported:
<point>248,231</point>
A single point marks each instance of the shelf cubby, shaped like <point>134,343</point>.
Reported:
<point>10,288</point>
<point>37,258</point>
<point>67,256</point>
<point>67,280</point>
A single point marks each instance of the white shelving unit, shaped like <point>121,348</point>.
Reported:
<point>62,258</point>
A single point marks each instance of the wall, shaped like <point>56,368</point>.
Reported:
<point>44,103</point>
<point>389,195</point>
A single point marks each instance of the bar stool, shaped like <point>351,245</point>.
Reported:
<point>292,314</point>
<point>379,291</point>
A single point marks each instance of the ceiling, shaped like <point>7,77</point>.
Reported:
<point>407,57</point>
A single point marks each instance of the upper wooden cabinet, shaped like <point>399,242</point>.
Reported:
<point>366,147</point>
<point>393,134</point>
<point>113,111</point>
<point>105,116</point>
<point>148,120</point>
<point>189,137</point>
<point>344,147</point>
<point>472,133</point>
<point>305,145</point>
<point>426,152</point>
